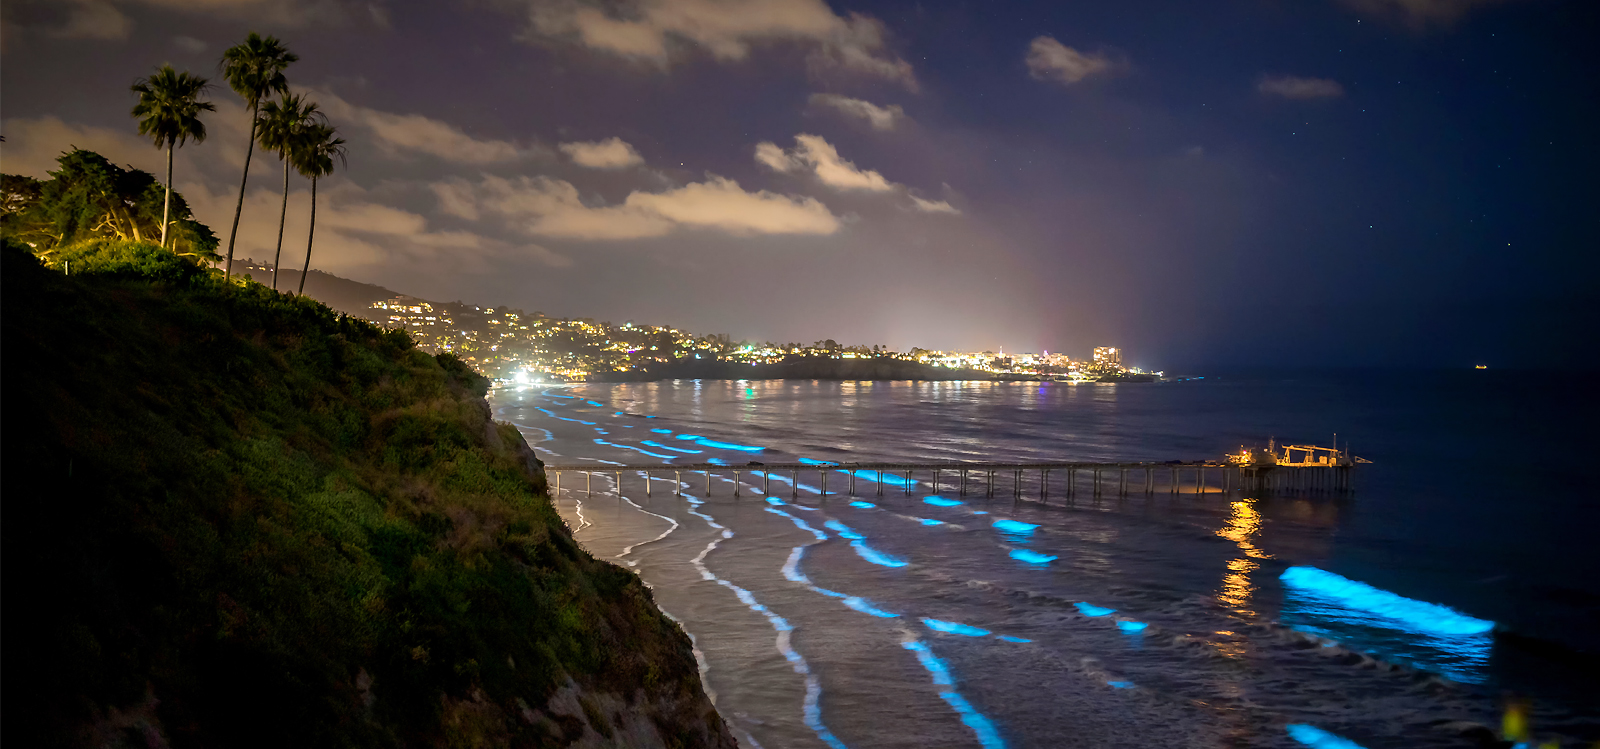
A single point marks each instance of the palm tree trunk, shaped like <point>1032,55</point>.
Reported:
<point>239,207</point>
<point>281,216</point>
<point>166,205</point>
<point>309,235</point>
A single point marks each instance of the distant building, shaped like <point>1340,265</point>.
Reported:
<point>1107,357</point>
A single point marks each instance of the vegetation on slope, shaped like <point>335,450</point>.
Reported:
<point>235,517</point>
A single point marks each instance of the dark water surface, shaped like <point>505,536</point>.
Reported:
<point>943,620</point>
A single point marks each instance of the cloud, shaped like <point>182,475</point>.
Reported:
<point>92,19</point>
<point>818,156</point>
<point>612,153</point>
<point>650,30</point>
<point>880,118</point>
<point>275,12</point>
<point>189,44</point>
<point>720,203</point>
<point>1295,87</point>
<point>1050,60</point>
<point>413,133</point>
<point>1421,13</point>
<point>549,207</point>
<point>933,206</point>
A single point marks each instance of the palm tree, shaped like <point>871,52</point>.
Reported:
<point>169,113</point>
<point>315,159</point>
<point>285,128</point>
<point>254,69</point>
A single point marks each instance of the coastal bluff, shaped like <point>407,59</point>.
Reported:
<point>239,518</point>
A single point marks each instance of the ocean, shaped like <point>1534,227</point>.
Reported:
<point>922,618</point>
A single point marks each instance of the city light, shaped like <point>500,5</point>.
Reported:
<point>521,348</point>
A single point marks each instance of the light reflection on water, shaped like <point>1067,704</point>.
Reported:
<point>1243,524</point>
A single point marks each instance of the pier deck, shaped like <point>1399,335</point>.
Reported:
<point>964,477</point>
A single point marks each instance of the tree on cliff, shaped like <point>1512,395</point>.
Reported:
<point>286,127</point>
<point>254,70</point>
<point>314,159</point>
<point>91,198</point>
<point>169,114</point>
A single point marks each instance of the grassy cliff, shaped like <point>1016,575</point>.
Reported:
<point>234,517</point>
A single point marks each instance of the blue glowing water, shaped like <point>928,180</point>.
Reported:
<point>955,628</point>
<point>876,557</point>
<point>937,501</point>
<point>866,607</point>
<point>988,736</point>
<point>1089,609</point>
<point>1316,738</point>
<point>727,446</point>
<point>1015,526</point>
<point>1032,557</point>
<point>1204,569</point>
<point>843,530</point>
<point>653,443</point>
<point>886,478</point>
<point>1429,617</point>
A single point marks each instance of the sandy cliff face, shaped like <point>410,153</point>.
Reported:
<point>240,519</point>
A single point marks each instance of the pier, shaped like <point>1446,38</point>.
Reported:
<point>1297,469</point>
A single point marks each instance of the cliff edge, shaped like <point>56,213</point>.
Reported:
<point>239,518</point>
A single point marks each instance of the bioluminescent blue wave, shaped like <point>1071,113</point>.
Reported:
<point>716,461</point>
<point>938,501</point>
<point>1015,526</point>
<point>862,605</point>
<point>599,441</point>
<point>1316,738</point>
<point>1121,684</point>
<point>596,403</point>
<point>955,628</point>
<point>862,505</point>
<point>662,431</point>
<point>843,530</point>
<point>1421,635</point>
<point>598,430</point>
<point>1128,626</point>
<point>690,437</point>
<point>779,502</point>
<point>728,445</point>
<point>1089,609</point>
<point>1429,617</point>
<point>812,707</point>
<point>888,478</point>
<point>876,557</point>
<point>988,736</point>
<point>1009,638</point>
<point>552,414</point>
<point>930,521</point>
<point>810,462</point>
<point>980,512</point>
<point>654,443</point>
<point>619,413</point>
<point>1032,557</point>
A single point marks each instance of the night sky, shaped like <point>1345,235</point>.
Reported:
<point>1405,183</point>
